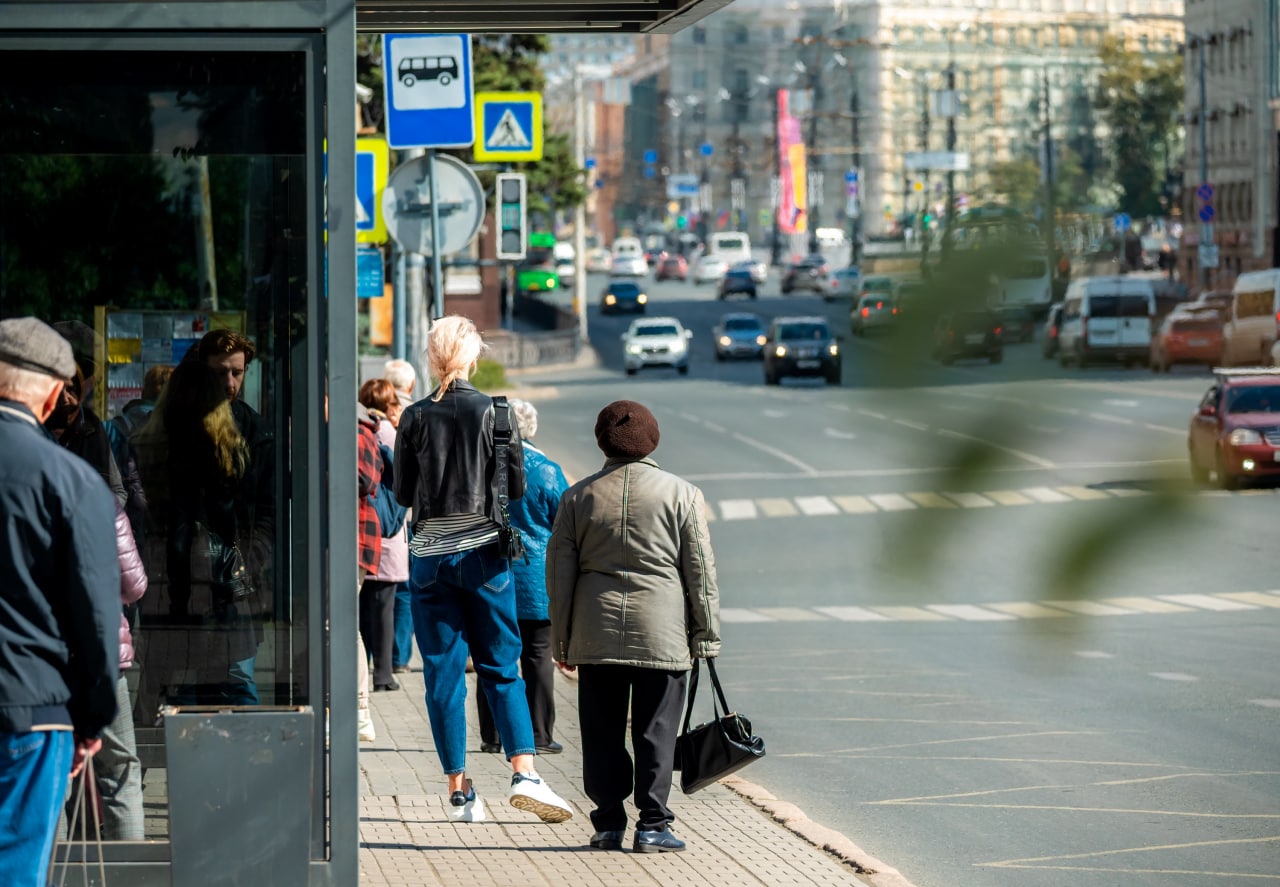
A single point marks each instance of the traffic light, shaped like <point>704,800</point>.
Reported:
<point>512,215</point>
<point>682,221</point>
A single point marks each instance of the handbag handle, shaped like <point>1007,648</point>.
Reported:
<point>718,696</point>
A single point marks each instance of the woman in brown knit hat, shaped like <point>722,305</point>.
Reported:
<point>632,582</point>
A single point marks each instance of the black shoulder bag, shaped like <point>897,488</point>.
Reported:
<point>508,536</point>
<point>713,750</point>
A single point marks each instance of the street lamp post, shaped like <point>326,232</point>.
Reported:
<point>951,110</point>
<point>813,168</point>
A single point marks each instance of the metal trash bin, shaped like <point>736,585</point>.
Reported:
<point>240,783</point>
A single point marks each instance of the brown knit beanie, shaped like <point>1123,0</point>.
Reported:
<point>627,430</point>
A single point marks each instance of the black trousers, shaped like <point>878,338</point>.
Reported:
<point>539,672</point>
<point>656,701</point>
<point>377,625</point>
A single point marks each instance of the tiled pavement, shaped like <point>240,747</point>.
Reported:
<point>737,833</point>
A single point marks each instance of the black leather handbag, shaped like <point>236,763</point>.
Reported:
<point>711,751</point>
<point>509,537</point>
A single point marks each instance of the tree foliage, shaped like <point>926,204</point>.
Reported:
<point>1139,98</point>
<point>1016,183</point>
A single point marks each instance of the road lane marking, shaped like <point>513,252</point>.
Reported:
<point>931,500</point>
<point>1206,602</point>
<point>873,415</point>
<point>816,505</point>
<point>1083,493</point>
<point>1165,428</point>
<point>1028,457</point>
<point>790,614</point>
<point>852,614</point>
<point>1027,862</point>
<point>1095,654</point>
<point>774,451</point>
<point>1266,703</point>
<point>1261,598</point>
<point>839,435</point>
<point>1044,494</point>
<point>892,502</point>
<point>1120,403</point>
<point>1173,676</point>
<point>911,614</point>
<point>1115,420</point>
<point>970,500</point>
<point>777,507</point>
<point>712,426</point>
<point>918,426</point>
<point>854,504</point>
<point>737,509</point>
<point>1007,497</point>
<point>1146,605</point>
<point>971,613</point>
<point>1028,610</point>
<point>740,614</point>
<point>1090,608</point>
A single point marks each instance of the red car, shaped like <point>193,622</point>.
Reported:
<point>671,268</point>
<point>1187,338</point>
<point>1235,433</point>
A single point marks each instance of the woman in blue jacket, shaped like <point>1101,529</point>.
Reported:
<point>533,515</point>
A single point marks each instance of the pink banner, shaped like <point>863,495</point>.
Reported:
<point>791,168</point>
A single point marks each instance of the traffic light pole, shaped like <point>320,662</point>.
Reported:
<point>775,243</point>
<point>855,217</point>
<point>813,196</point>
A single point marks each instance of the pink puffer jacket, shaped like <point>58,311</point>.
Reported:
<point>133,581</point>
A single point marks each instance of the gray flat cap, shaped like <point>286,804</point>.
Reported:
<point>31,344</point>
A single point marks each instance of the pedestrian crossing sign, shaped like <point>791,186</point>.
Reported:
<point>510,126</point>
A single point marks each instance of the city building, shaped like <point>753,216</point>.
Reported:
<point>1233,131</point>
<point>868,82</point>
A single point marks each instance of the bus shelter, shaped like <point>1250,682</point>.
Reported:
<point>169,170</point>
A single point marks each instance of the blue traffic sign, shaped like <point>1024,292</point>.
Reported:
<point>428,90</point>
<point>851,177</point>
<point>369,274</point>
<point>706,149</point>
<point>650,156</point>
<point>1122,221</point>
<point>1206,213</point>
<point>510,126</point>
<point>1205,192</point>
<point>589,163</point>
<point>650,172</point>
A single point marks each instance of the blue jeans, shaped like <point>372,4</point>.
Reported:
<point>33,779</point>
<point>463,601</point>
<point>402,645</point>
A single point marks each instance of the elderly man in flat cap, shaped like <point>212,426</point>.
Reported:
<point>632,582</point>
<point>60,588</point>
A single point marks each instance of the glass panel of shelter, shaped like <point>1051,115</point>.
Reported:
<point>154,204</point>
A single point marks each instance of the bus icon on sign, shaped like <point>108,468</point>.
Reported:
<point>441,68</point>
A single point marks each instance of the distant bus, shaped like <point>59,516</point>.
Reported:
<point>732,246</point>
<point>1023,276</point>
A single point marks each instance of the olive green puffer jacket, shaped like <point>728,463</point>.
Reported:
<point>630,571</point>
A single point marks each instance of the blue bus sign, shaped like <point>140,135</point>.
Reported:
<point>429,90</point>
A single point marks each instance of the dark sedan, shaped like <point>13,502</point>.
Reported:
<point>801,346</point>
<point>737,281</point>
<point>969,334</point>
<point>810,273</point>
<point>623,295</point>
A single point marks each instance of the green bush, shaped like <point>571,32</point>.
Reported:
<point>489,375</point>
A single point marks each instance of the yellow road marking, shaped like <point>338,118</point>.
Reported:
<point>777,507</point>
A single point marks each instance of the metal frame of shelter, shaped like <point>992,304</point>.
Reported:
<point>325,32</point>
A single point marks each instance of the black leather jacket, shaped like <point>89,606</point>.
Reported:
<point>444,460</point>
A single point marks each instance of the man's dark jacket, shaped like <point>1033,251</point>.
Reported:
<point>444,460</point>
<point>59,584</point>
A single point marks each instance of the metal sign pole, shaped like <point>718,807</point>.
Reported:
<point>437,285</point>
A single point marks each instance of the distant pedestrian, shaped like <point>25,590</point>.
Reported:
<point>533,515</point>
<point>634,601</point>
<point>463,592</point>
<point>60,580</point>
<point>369,547</point>
<point>404,379</point>
<point>378,593</point>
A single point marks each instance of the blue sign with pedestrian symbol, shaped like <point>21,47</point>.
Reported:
<point>428,90</point>
<point>510,126</point>
<point>371,179</point>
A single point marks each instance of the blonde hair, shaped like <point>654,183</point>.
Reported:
<point>193,396</point>
<point>453,347</point>
<point>229,446</point>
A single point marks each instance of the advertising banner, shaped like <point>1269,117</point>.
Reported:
<point>791,167</point>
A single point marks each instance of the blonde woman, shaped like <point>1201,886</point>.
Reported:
<point>463,593</point>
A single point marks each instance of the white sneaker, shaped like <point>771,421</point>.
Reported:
<point>364,726</point>
<point>468,807</point>
<point>530,793</point>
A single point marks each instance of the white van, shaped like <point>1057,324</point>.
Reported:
<point>1249,335</point>
<point>732,246</point>
<point>1107,318</point>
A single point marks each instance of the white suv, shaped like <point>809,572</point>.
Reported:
<point>656,341</point>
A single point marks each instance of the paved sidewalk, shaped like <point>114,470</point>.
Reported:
<point>737,834</point>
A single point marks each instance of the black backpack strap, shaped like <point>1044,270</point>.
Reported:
<point>502,450</point>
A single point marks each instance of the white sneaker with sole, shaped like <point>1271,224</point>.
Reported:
<point>468,807</point>
<point>530,793</point>
<point>364,726</point>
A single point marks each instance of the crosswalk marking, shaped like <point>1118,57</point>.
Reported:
<point>931,500</point>
<point>777,507</point>
<point>1206,602</point>
<point>1090,608</point>
<point>1146,605</point>
<point>1044,494</point>
<point>892,502</point>
<point>971,613</point>
<point>1008,497</point>
<point>1005,611</point>
<point>737,509</point>
<point>970,500</point>
<point>816,505</point>
<point>1261,598</point>
<point>1083,493</point>
<point>854,504</point>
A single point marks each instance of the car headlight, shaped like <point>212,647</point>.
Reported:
<point>760,340</point>
<point>611,299</point>
<point>725,341</point>
<point>833,349</point>
<point>634,349</point>
<point>780,351</point>
<point>641,299</point>
<point>1244,437</point>
<point>677,346</point>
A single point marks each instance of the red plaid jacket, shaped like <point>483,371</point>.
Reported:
<point>369,472</point>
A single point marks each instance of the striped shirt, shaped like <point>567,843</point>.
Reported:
<point>451,534</point>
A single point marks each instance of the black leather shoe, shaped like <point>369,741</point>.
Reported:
<point>551,748</point>
<point>393,684</point>
<point>656,842</point>
<point>491,747</point>
<point>607,840</point>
